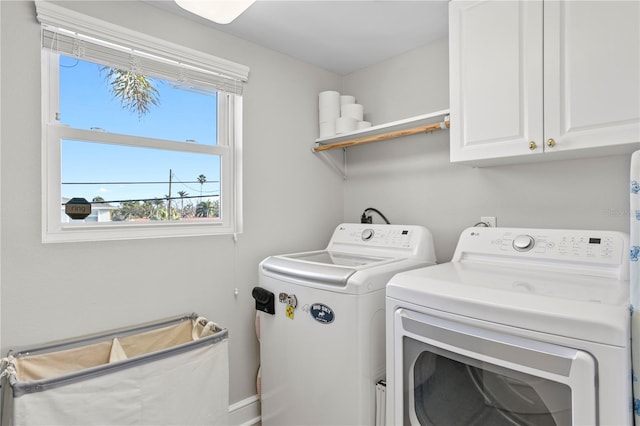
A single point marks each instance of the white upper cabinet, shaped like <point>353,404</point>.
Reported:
<point>592,73</point>
<point>543,79</point>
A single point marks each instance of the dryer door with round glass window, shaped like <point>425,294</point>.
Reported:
<point>455,374</point>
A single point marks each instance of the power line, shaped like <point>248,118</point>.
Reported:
<point>152,199</point>
<point>168,197</point>
<point>136,183</point>
<point>183,183</point>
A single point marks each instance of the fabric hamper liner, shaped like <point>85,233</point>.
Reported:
<point>169,372</point>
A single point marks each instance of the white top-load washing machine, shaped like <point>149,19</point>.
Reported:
<point>522,327</point>
<point>322,323</point>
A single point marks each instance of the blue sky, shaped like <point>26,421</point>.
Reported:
<point>85,103</point>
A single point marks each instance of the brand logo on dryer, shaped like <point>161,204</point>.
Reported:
<point>322,313</point>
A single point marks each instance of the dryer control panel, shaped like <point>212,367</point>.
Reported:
<point>605,253</point>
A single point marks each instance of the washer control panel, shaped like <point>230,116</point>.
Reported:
<point>594,247</point>
<point>377,235</point>
<point>396,241</point>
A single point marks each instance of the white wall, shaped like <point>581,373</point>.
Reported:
<point>292,202</point>
<point>410,179</point>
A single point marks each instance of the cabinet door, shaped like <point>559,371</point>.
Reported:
<point>592,74</point>
<point>495,57</point>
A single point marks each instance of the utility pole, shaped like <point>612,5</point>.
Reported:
<point>169,199</point>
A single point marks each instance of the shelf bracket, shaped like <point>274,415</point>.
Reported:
<point>330,160</point>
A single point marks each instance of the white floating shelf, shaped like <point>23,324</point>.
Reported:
<point>438,120</point>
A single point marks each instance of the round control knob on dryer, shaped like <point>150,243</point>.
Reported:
<point>523,242</point>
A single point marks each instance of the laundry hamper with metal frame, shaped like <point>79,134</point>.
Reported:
<point>169,372</point>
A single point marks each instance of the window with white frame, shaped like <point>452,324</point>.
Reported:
<point>145,132</point>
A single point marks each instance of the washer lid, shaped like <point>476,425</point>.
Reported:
<point>322,266</point>
<point>575,306</point>
<point>336,258</point>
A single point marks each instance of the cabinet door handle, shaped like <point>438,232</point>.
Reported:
<point>532,146</point>
<point>551,143</point>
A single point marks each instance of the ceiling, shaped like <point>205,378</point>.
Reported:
<point>341,36</point>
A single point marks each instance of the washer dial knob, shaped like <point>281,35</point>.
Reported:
<point>367,234</point>
<point>523,242</point>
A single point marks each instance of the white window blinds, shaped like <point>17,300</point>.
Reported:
<point>73,34</point>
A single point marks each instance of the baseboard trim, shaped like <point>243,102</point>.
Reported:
<point>245,412</point>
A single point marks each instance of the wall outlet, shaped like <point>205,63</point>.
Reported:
<point>492,221</point>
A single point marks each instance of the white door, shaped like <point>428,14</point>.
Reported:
<point>592,73</point>
<point>495,50</point>
<point>447,373</point>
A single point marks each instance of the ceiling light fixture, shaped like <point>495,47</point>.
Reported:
<point>219,11</point>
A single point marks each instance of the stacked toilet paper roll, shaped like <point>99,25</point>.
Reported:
<point>347,99</point>
<point>363,125</point>
<point>352,110</point>
<point>329,108</point>
<point>339,114</point>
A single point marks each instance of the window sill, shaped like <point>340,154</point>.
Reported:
<point>132,231</point>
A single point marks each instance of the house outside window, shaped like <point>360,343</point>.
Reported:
<point>100,212</point>
<point>147,132</point>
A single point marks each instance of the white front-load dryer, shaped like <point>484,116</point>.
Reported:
<point>322,323</point>
<point>522,327</point>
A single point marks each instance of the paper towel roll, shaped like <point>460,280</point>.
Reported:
<point>363,125</point>
<point>354,111</point>
<point>346,124</point>
<point>347,99</point>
